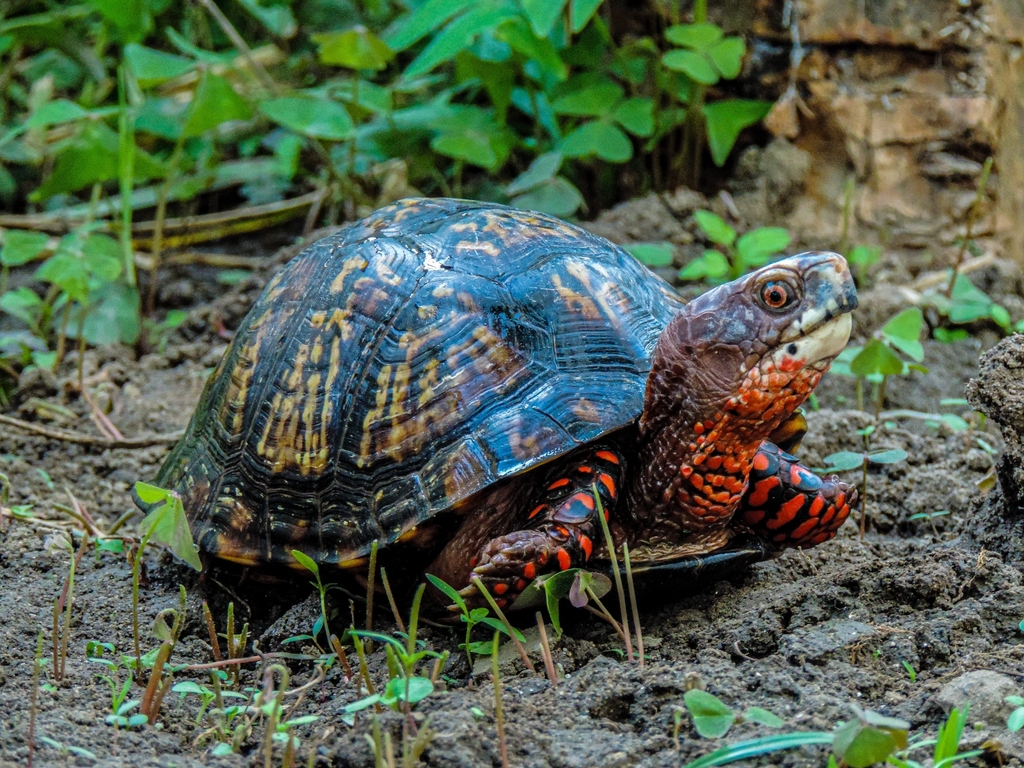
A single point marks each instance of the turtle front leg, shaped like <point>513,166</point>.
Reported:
<point>789,505</point>
<point>563,524</point>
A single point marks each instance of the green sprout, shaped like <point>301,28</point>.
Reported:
<point>471,618</point>
<point>712,718</point>
<point>737,255</point>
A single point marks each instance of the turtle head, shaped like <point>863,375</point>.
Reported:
<point>753,349</point>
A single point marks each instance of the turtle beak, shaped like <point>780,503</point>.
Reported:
<point>820,332</point>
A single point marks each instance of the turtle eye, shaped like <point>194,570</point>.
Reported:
<point>777,295</point>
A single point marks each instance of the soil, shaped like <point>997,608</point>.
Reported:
<point>805,635</point>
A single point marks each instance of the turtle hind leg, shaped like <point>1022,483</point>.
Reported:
<point>562,524</point>
<point>789,505</point>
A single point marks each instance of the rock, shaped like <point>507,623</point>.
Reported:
<point>985,690</point>
<point>40,383</point>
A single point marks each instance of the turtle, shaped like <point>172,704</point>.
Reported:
<point>466,385</point>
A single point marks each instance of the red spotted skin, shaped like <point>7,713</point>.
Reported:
<point>564,526</point>
<point>789,505</point>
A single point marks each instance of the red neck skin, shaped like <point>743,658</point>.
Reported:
<point>700,431</point>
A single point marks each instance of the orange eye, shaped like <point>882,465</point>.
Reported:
<point>776,295</point>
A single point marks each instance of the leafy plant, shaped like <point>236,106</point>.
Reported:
<point>471,618</point>
<point>737,255</point>
<point>712,719</point>
<point>879,358</point>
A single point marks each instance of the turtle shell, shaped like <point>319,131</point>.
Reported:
<point>397,368</point>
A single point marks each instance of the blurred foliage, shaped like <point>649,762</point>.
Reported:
<point>154,103</point>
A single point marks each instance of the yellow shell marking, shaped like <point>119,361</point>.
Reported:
<point>374,415</point>
<point>576,301</point>
<point>349,266</point>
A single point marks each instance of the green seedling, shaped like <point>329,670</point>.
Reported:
<point>404,688</point>
<point>121,707</point>
<point>869,738</point>
<point>712,719</point>
<point>911,672</point>
<point>165,524</point>
<point>930,517</point>
<point>652,255</point>
<point>737,255</point>
<point>68,750</point>
<point>879,358</point>
<point>550,589</point>
<point>206,695</point>
<point>964,305</point>
<point>1016,719</point>
<point>322,589</point>
<point>946,751</point>
<point>860,258</point>
<point>471,618</point>
<point>844,461</point>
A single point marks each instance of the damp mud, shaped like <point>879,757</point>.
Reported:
<point>917,616</point>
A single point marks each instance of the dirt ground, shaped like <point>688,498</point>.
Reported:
<point>804,635</point>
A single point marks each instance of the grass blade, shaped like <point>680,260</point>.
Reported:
<point>744,750</point>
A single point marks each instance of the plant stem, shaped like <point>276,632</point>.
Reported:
<point>35,698</point>
<point>212,629</point>
<point>610,545</point>
<point>511,632</point>
<point>864,499</point>
<point>371,578</point>
<point>391,600</point>
<point>972,217</point>
<point>632,600</point>
<point>545,650</point>
<point>136,568</point>
<point>499,713</point>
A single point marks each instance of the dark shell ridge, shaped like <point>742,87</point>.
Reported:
<point>398,367</point>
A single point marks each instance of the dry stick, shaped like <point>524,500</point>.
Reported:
<point>391,600</point>
<point>342,656</point>
<point>239,43</point>
<point>511,632</point>
<point>499,713</point>
<point>212,629</point>
<point>99,418</point>
<point>632,600</point>
<point>35,698</point>
<point>81,439</point>
<point>545,652</point>
<point>615,572</point>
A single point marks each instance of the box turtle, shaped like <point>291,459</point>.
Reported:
<point>458,380</point>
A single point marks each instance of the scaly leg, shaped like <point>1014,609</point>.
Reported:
<point>563,527</point>
<point>789,505</point>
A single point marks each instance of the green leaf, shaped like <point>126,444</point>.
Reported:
<point>592,101</point>
<point>763,717</point>
<point>745,750</point>
<point>278,19</point>
<point>582,12</point>
<point>55,112</point>
<point>694,65</point>
<point>1016,720</point>
<point>517,33</point>
<point>24,304</point>
<point>725,119</point>
<point>887,457</point>
<point>543,14</point>
<point>727,56</point>
<point>304,560</point>
<point>130,17</point>
<point>22,246</point>
<point>167,524</point>
<point>152,67</point>
<point>844,460</point>
<point>411,689</point>
<point>102,255</point>
<point>715,228</point>
<point>458,36</point>
<point>427,18</point>
<point>712,265</point>
<point>864,255</point>
<point>652,254</point>
<point>699,37</point>
<point>711,717</point>
<point>214,102</point>
<point>114,315</point>
<point>470,146</point>
<point>557,197</point>
<point>449,591</point>
<point>636,116</point>
<point>876,359</point>
<point>950,733</point>
<point>356,48</point>
<point>542,169</point>
<point>903,332</point>
<point>315,117</point>
<point>756,247</point>
<point>861,745</point>
<point>1000,315</point>
<point>66,271</point>
<point>598,138</point>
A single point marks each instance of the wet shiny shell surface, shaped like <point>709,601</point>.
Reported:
<point>399,367</point>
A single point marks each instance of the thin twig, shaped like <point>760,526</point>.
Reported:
<point>545,652</point>
<point>391,600</point>
<point>99,418</point>
<point>35,698</point>
<point>82,439</point>
<point>371,578</point>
